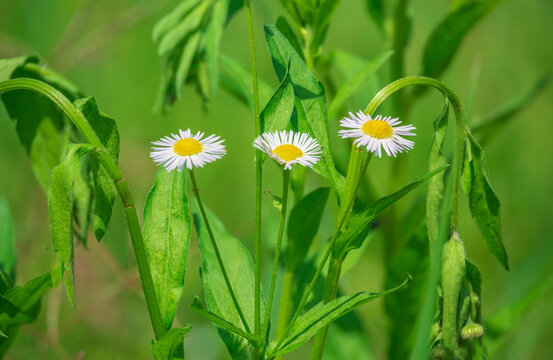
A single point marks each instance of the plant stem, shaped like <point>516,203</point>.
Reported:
<point>121,185</point>
<point>285,181</point>
<point>217,252</point>
<point>285,303</point>
<point>258,172</point>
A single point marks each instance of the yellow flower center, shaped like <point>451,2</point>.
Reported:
<point>187,147</point>
<point>288,152</point>
<point>377,129</point>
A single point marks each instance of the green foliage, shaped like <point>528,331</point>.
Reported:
<point>310,102</point>
<point>484,204</point>
<point>447,37</point>
<point>303,224</point>
<point>357,226</point>
<point>104,189</point>
<point>347,340</point>
<point>436,159</point>
<point>188,41</point>
<point>20,305</point>
<point>322,315</point>
<point>376,10</point>
<point>167,231</point>
<point>170,346</point>
<point>8,256</point>
<point>239,267</point>
<point>276,115</point>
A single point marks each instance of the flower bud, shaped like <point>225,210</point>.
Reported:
<point>471,331</point>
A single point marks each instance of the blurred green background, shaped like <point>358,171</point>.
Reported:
<point>105,48</point>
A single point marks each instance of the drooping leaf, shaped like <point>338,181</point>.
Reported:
<point>60,208</point>
<point>310,104</point>
<point>445,40</point>
<point>322,315</point>
<point>20,305</point>
<point>276,115</point>
<point>238,82</point>
<point>358,225</point>
<point>8,256</point>
<point>376,11</point>
<point>436,159</point>
<point>352,85</point>
<point>303,224</point>
<point>483,203</point>
<point>490,125</point>
<point>167,231</point>
<point>105,191</point>
<point>170,346</point>
<point>240,270</point>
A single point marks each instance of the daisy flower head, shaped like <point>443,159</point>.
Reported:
<point>377,133</point>
<point>289,148</point>
<point>187,149</point>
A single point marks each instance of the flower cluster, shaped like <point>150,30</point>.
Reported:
<point>285,147</point>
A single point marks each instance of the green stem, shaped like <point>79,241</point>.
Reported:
<point>285,181</point>
<point>285,303</point>
<point>217,252</point>
<point>121,185</point>
<point>258,172</point>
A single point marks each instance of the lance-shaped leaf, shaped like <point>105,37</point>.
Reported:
<point>483,203</point>
<point>237,80</point>
<point>167,231</point>
<point>105,191</point>
<point>310,101</point>
<point>436,159</point>
<point>7,246</point>
<point>445,40</point>
<point>276,115</point>
<point>358,225</point>
<point>352,85</point>
<point>240,270</point>
<point>284,27</point>
<point>170,346</point>
<point>490,125</point>
<point>303,225</point>
<point>20,305</point>
<point>60,209</point>
<point>322,315</point>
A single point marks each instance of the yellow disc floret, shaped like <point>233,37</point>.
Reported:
<point>288,152</point>
<point>186,147</point>
<point>378,129</point>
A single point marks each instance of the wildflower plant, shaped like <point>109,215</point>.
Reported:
<point>76,156</point>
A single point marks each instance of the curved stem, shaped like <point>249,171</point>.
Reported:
<point>217,252</point>
<point>121,185</point>
<point>258,171</point>
<point>285,181</point>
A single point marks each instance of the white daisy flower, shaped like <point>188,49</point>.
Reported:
<point>377,133</point>
<point>289,148</point>
<point>176,151</point>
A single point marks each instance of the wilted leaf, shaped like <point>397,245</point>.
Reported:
<point>483,203</point>
<point>167,238</point>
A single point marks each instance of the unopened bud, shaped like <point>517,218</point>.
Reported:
<point>471,331</point>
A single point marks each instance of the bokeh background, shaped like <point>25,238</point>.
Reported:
<point>105,48</point>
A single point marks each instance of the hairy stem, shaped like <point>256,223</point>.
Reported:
<point>121,185</point>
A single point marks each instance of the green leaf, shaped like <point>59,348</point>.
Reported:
<point>171,20</point>
<point>346,340</point>
<point>240,269</point>
<point>186,58</point>
<point>238,82</point>
<point>170,346</point>
<point>303,224</point>
<point>490,125</point>
<point>322,315</point>
<point>447,37</point>
<point>276,115</point>
<point>358,225</point>
<point>8,256</point>
<point>352,85</point>
<point>483,203</point>
<point>436,159</point>
<point>324,12</point>
<point>105,191</point>
<point>310,101</point>
<point>376,11</point>
<point>284,27</point>
<point>167,239</point>
<point>21,305</point>
<point>60,208</point>
<point>213,41</point>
